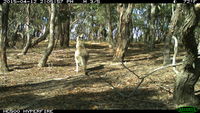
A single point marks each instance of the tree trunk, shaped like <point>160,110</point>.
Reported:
<point>99,35</point>
<point>67,31</point>
<point>28,38</point>
<point>185,81</point>
<point>92,36</point>
<point>4,9</point>
<point>171,29</point>
<point>123,31</point>
<point>110,29</point>
<point>61,34</point>
<point>147,27</point>
<point>65,38</point>
<point>152,26</point>
<point>40,39</point>
<point>12,41</point>
<point>49,49</point>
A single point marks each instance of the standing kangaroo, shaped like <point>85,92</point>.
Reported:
<point>81,54</point>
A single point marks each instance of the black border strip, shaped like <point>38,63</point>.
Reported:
<point>100,1</point>
<point>86,111</point>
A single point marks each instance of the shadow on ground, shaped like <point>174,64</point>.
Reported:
<point>27,96</point>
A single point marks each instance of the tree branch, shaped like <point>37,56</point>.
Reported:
<point>175,54</point>
<point>146,75</point>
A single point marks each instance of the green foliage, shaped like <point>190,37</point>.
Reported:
<point>87,18</point>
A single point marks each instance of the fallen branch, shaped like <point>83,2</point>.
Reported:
<point>160,68</point>
<point>146,75</point>
<point>130,70</point>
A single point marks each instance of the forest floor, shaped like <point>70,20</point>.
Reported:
<point>58,86</point>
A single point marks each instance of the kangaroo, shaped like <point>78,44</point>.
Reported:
<point>81,54</point>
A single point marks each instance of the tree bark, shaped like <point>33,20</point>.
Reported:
<point>110,29</point>
<point>123,31</point>
<point>92,31</point>
<point>65,27</point>
<point>28,38</point>
<point>49,49</point>
<point>147,26</point>
<point>185,81</point>
<point>171,29</point>
<point>14,37</point>
<point>67,31</point>
<point>152,26</point>
<point>4,9</point>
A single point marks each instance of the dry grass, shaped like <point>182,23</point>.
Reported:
<point>57,86</point>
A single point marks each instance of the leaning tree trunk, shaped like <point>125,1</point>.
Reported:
<point>185,81</point>
<point>40,39</point>
<point>49,49</point>
<point>28,38</point>
<point>171,29</point>
<point>4,10</point>
<point>123,32</point>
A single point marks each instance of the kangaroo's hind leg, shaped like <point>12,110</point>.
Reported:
<point>76,65</point>
<point>84,63</point>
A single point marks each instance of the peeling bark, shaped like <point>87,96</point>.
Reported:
<point>123,32</point>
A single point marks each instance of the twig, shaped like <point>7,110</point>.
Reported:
<point>130,70</point>
<point>164,88</point>
<point>142,80</point>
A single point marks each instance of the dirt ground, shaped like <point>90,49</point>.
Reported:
<point>58,86</point>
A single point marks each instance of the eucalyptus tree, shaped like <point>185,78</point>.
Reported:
<point>172,27</point>
<point>18,20</point>
<point>153,15</point>
<point>4,11</point>
<point>63,23</point>
<point>28,38</point>
<point>190,70</point>
<point>110,15</point>
<point>125,11</point>
<point>16,24</point>
<point>49,49</point>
